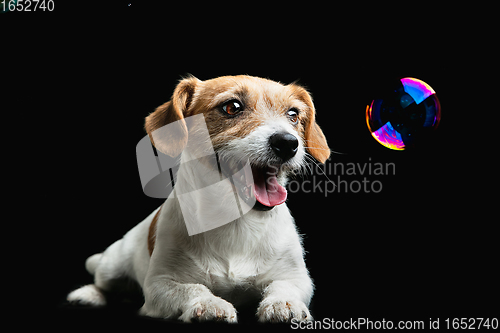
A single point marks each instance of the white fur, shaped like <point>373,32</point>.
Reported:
<point>87,295</point>
<point>255,145</point>
<point>187,277</point>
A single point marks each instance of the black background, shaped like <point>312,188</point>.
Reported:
<point>81,80</point>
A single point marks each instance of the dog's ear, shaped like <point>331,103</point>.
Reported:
<point>315,139</point>
<point>172,139</point>
<point>316,142</point>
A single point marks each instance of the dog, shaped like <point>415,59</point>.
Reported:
<point>259,254</point>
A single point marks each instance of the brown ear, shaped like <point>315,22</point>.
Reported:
<point>315,139</point>
<point>316,142</point>
<point>172,139</point>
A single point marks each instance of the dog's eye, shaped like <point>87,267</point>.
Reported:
<point>232,107</point>
<point>293,116</point>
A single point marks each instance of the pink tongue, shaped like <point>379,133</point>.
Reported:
<point>267,190</point>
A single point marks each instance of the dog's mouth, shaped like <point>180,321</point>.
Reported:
<point>255,184</point>
<point>266,189</point>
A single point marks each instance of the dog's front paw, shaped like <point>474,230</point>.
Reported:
<point>87,295</point>
<point>277,311</point>
<point>209,308</point>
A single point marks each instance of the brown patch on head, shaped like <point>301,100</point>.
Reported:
<point>261,98</point>
<point>214,93</point>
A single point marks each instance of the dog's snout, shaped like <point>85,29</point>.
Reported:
<point>284,145</point>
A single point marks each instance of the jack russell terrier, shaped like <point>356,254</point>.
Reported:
<point>200,276</point>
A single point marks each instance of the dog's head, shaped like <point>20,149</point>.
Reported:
<point>269,124</point>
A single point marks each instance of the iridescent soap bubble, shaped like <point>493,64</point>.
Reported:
<point>405,115</point>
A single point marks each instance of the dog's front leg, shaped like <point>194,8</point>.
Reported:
<point>285,300</point>
<point>165,298</point>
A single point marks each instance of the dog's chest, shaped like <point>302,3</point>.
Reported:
<point>235,270</point>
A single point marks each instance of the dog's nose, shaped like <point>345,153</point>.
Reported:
<point>284,145</point>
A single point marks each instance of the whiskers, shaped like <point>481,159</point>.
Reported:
<point>330,150</point>
<point>307,169</point>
